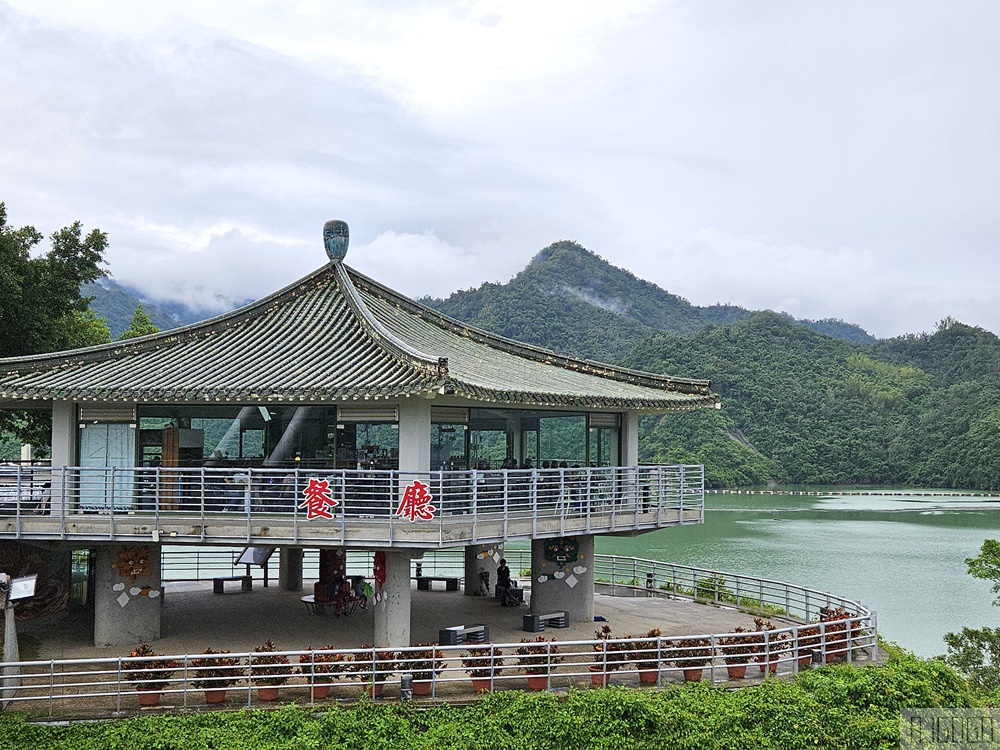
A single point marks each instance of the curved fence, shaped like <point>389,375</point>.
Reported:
<point>808,628</point>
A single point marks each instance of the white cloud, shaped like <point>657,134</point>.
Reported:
<point>837,160</point>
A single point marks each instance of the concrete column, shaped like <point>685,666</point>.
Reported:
<point>566,584</point>
<point>64,437</point>
<point>127,596</point>
<point>392,612</point>
<point>414,435</point>
<point>290,562</point>
<point>480,557</point>
<point>630,438</point>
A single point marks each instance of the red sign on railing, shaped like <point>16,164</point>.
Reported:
<point>317,499</point>
<point>416,502</point>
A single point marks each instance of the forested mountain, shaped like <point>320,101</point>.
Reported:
<point>116,304</point>
<point>807,402</point>
<point>568,295</point>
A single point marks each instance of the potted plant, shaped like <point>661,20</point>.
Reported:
<point>836,632</point>
<point>373,668</point>
<point>772,645</point>
<point>149,675</point>
<point>612,655</point>
<point>268,670</point>
<point>321,666</point>
<point>483,664</point>
<point>536,656</point>
<point>214,672</point>
<point>424,664</point>
<point>738,650</point>
<point>691,655</point>
<point>644,652</point>
<point>809,640</point>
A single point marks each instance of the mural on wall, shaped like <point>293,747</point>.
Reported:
<point>133,563</point>
<point>561,553</point>
<point>54,571</point>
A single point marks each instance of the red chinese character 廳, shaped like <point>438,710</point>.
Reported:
<point>416,502</point>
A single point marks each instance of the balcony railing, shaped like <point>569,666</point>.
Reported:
<point>815,628</point>
<point>467,505</point>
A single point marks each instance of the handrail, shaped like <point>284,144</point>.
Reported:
<point>110,685</point>
<point>349,506</point>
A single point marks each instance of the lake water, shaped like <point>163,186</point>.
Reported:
<point>904,557</point>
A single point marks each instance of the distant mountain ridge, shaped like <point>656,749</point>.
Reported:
<point>116,304</point>
<point>603,294</point>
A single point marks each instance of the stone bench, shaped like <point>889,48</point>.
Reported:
<point>219,584</point>
<point>464,634</point>
<point>536,623</point>
<point>424,582</point>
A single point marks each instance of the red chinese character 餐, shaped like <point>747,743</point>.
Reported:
<point>416,502</point>
<point>317,499</point>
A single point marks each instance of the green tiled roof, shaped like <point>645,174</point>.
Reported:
<point>337,335</point>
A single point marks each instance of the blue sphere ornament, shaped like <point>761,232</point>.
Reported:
<point>336,237</point>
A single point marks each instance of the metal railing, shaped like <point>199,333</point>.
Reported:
<point>829,628</point>
<point>584,499</point>
<point>116,686</point>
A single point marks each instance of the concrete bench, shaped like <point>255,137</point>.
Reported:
<point>424,582</point>
<point>464,634</point>
<point>219,584</point>
<point>536,623</point>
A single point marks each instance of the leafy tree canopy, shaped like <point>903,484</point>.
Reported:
<point>141,325</point>
<point>41,308</point>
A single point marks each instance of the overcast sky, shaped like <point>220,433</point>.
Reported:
<point>828,159</point>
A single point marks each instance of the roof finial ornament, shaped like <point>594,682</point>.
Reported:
<point>336,237</point>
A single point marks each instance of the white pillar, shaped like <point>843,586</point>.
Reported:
<point>64,436</point>
<point>290,568</point>
<point>481,557</point>
<point>630,438</point>
<point>392,612</point>
<point>564,585</point>
<point>127,595</point>
<point>414,435</point>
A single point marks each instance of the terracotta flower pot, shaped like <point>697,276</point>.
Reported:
<point>599,677</point>
<point>771,666</point>
<point>149,697</point>
<point>319,692</point>
<point>215,696</point>
<point>374,689</point>
<point>805,660</point>
<point>538,682</point>
<point>422,687</point>
<point>481,684</point>
<point>693,674</point>
<point>267,694</point>
<point>736,671</point>
<point>648,676</point>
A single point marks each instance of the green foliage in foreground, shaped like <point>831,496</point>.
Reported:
<point>834,707</point>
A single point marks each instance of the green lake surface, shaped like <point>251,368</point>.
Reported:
<point>903,556</point>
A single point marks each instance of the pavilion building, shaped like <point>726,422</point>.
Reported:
<point>337,414</point>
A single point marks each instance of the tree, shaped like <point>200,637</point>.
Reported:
<point>40,300</point>
<point>41,307</point>
<point>976,651</point>
<point>141,325</point>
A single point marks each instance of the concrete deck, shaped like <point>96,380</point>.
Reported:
<point>194,618</point>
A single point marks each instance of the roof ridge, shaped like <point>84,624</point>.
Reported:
<point>528,351</point>
<point>383,336</point>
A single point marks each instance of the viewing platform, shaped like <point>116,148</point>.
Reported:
<point>269,506</point>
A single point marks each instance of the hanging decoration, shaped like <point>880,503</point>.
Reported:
<point>378,570</point>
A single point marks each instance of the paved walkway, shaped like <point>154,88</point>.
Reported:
<point>194,618</point>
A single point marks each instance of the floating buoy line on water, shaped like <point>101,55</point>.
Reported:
<point>887,493</point>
